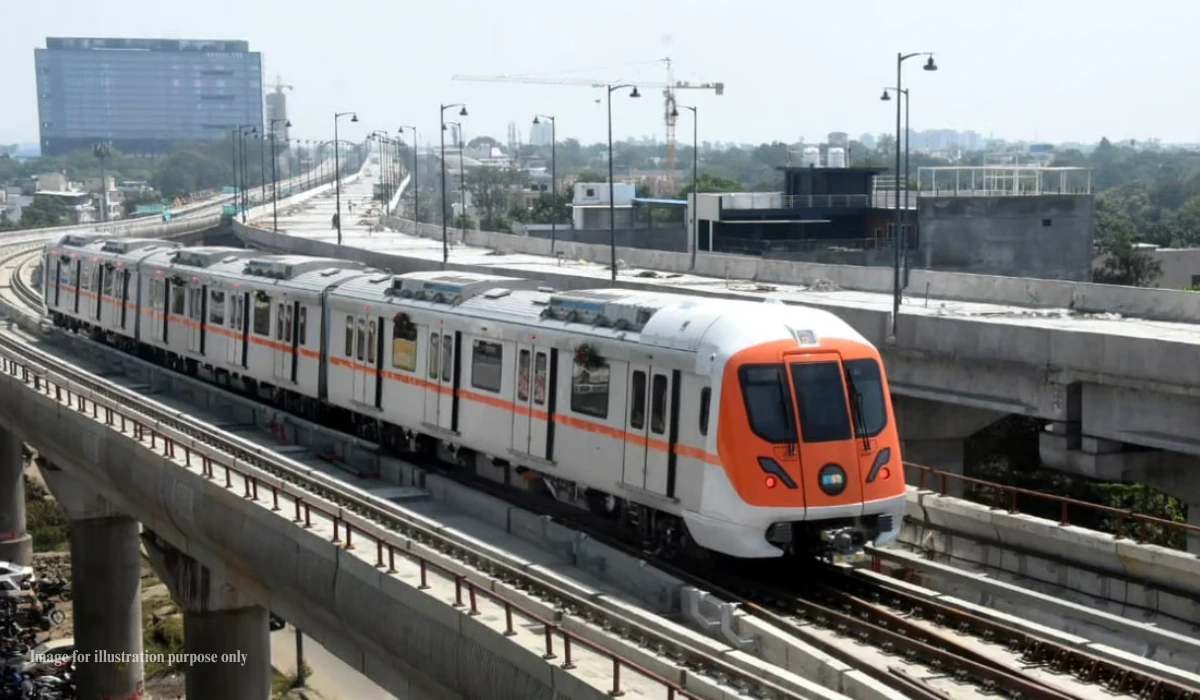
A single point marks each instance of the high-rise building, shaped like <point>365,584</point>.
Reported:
<point>539,134</point>
<point>144,94</point>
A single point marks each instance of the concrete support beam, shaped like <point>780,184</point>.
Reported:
<point>15,543</point>
<point>106,577</point>
<point>230,632</point>
<point>933,434</point>
<point>944,455</point>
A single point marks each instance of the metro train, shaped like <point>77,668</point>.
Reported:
<point>755,430</point>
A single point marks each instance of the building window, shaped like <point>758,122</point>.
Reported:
<point>262,315</point>
<point>1046,222</point>
<point>487,365</point>
<point>216,307</point>
<point>589,390</point>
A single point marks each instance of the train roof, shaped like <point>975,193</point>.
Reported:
<point>256,269</point>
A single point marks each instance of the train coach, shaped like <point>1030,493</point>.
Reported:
<point>749,429</point>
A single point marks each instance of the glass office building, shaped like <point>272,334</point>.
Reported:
<point>144,94</point>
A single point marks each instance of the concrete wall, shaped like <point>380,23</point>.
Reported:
<point>1046,236</point>
<point>674,239</point>
<point>1180,266</point>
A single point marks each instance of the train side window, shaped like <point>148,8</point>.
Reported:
<point>85,277</point>
<point>539,378</point>
<point>216,307</point>
<point>705,401</point>
<point>362,339</point>
<point>434,353</point>
<point>447,357</point>
<point>303,325</point>
<point>178,294</point>
<point>637,404</point>
<point>523,376</point>
<point>349,335</point>
<point>487,365</point>
<point>404,343</point>
<point>589,390</point>
<point>287,325</point>
<point>371,342</point>
<point>108,282</point>
<point>279,316</point>
<point>658,405</point>
<point>262,315</point>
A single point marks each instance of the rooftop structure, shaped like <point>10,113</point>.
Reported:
<point>1003,181</point>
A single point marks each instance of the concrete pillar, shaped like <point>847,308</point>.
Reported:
<point>944,454</point>
<point>106,580</point>
<point>15,543</point>
<point>230,630</point>
<point>1193,518</point>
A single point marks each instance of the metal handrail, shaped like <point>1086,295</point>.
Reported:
<point>1142,520</point>
<point>311,492</point>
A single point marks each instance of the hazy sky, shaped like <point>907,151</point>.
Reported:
<point>1022,69</point>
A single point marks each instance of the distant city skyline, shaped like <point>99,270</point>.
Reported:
<point>786,75</point>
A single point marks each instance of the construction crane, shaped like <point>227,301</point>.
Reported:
<point>279,86</point>
<point>670,109</point>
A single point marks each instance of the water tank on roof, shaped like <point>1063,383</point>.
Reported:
<point>811,157</point>
<point>836,158</point>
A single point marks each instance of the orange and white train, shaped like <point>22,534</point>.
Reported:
<point>749,429</point>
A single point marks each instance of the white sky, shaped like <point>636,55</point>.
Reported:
<point>1052,70</point>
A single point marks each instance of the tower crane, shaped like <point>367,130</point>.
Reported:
<point>670,111</point>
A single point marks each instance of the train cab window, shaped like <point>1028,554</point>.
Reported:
<point>821,397</point>
<point>262,315</point>
<point>216,307</point>
<point>371,342</point>
<point>589,390</point>
<point>523,375</point>
<point>705,401</point>
<point>178,294</point>
<point>349,336</point>
<point>865,378</point>
<point>539,378</point>
<point>362,340</point>
<point>487,365</point>
<point>303,325</point>
<point>658,404</point>
<point>404,344</point>
<point>768,403</point>
<point>637,404</point>
<point>434,353</point>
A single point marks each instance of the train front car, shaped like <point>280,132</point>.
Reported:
<point>806,437</point>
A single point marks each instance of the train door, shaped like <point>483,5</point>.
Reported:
<point>660,444</point>
<point>829,454</point>
<point>195,323</point>
<point>113,301</point>
<point>158,309</point>
<point>123,295</point>
<point>636,426</point>
<point>60,278</point>
<point>442,371</point>
<point>534,412</point>
<point>366,360</point>
<point>284,349</point>
<point>237,326</point>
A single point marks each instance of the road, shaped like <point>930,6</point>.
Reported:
<point>332,678</point>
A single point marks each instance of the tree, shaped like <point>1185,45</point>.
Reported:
<point>711,183</point>
<point>491,191</point>
<point>482,141</point>
<point>44,212</point>
<point>1124,263</point>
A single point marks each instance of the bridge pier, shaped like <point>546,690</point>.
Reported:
<point>15,543</point>
<point>106,578</point>
<point>934,434</point>
<point>229,630</point>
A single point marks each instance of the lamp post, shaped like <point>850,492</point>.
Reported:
<point>233,163</point>
<point>378,137</point>
<point>337,170</point>
<point>899,240</point>
<point>695,179</point>
<point>102,151</point>
<point>262,166</point>
<point>275,175</point>
<point>415,182</point>
<point>612,221</point>
<point>553,177</point>
<point>887,96</point>
<point>242,143</point>
<point>462,172</point>
<point>442,120</point>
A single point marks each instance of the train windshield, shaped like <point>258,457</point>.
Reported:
<point>836,400</point>
<point>768,402</point>
<point>821,397</point>
<point>865,377</point>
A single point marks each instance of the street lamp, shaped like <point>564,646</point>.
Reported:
<point>337,170</point>
<point>899,240</point>
<point>380,137</point>
<point>612,222</point>
<point>275,174</point>
<point>462,171</point>
<point>103,151</point>
<point>886,97</point>
<point>245,196</point>
<point>415,183</point>
<point>553,178</point>
<point>695,179</point>
<point>442,120</point>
